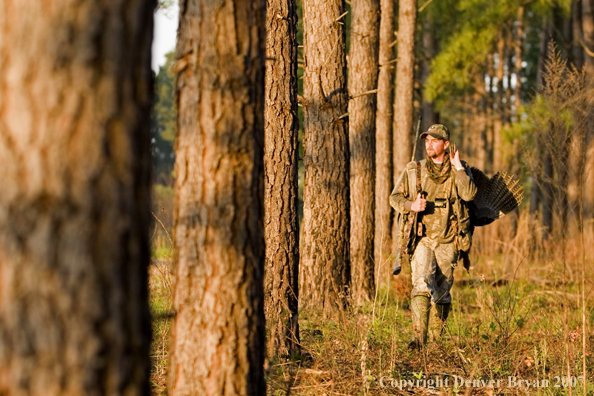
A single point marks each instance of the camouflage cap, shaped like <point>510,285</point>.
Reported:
<point>438,131</point>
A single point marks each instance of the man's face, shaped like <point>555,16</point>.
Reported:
<point>435,147</point>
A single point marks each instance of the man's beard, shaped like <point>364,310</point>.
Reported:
<point>432,154</point>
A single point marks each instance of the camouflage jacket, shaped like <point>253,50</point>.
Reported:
<point>439,215</point>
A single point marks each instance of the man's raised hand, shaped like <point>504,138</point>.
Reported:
<point>419,204</point>
<point>455,157</point>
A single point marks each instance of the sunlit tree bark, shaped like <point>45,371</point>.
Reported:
<point>324,266</point>
<point>217,345</point>
<point>281,162</point>
<point>383,147</point>
<point>363,65</point>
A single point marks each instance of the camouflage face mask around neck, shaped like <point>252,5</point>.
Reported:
<point>439,172</point>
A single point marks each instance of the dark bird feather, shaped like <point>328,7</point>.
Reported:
<point>495,197</point>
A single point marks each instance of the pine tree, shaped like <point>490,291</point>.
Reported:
<point>324,261</point>
<point>363,68</point>
<point>281,228</point>
<point>218,334</point>
<point>76,89</point>
<point>383,148</point>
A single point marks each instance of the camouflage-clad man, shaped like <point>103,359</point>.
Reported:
<point>444,181</point>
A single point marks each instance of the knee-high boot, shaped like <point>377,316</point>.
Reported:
<point>419,306</point>
<point>439,317</point>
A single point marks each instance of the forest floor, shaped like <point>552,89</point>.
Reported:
<point>520,323</point>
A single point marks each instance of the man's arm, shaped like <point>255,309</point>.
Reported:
<point>399,197</point>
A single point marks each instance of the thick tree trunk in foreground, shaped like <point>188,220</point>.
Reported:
<point>75,97</point>
<point>403,104</point>
<point>363,64</point>
<point>383,133</point>
<point>324,262</point>
<point>217,345</point>
<point>281,228</point>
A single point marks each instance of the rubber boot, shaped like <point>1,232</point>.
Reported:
<point>439,317</point>
<point>419,307</point>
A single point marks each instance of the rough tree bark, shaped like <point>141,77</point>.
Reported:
<point>383,148</point>
<point>281,160</point>
<point>75,97</point>
<point>324,262</point>
<point>363,67</point>
<point>217,345</point>
<point>403,103</point>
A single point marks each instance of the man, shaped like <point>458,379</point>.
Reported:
<point>440,235</point>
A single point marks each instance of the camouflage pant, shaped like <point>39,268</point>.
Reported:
<point>433,271</point>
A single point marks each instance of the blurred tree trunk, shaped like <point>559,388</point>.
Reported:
<point>480,120</point>
<point>576,24</point>
<point>363,68</point>
<point>588,31</point>
<point>537,154</point>
<point>324,266</point>
<point>499,114</point>
<point>383,148</point>
<point>281,160</point>
<point>217,344</point>
<point>430,117</point>
<point>403,104</point>
<point>490,99</point>
<point>518,46</point>
<point>507,106</point>
<point>76,93</point>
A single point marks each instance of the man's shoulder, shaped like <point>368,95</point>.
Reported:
<point>413,164</point>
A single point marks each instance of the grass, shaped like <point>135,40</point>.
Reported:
<point>513,318</point>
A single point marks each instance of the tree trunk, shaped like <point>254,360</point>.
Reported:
<point>383,148</point>
<point>281,158</point>
<point>519,44</point>
<point>490,99</point>
<point>499,114</point>
<point>363,61</point>
<point>403,104</point>
<point>403,101</point>
<point>427,109</point>
<point>324,266</point>
<point>588,31</point>
<point>75,98</point>
<point>576,24</point>
<point>217,344</point>
<point>480,121</point>
<point>537,155</point>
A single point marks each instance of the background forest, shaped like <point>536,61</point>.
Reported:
<point>512,81</point>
